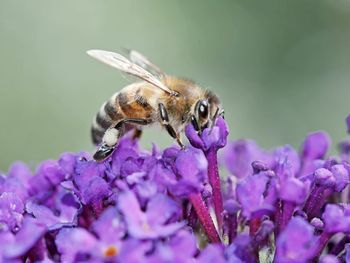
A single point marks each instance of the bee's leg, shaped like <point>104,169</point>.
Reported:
<point>112,135</point>
<point>165,122</point>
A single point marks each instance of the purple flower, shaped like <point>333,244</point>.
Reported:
<point>159,219</point>
<point>180,248</point>
<point>18,245</point>
<point>63,214</point>
<point>168,206</point>
<point>212,253</point>
<point>240,155</point>
<point>315,147</point>
<point>211,138</point>
<point>190,172</point>
<point>293,190</point>
<point>297,243</point>
<point>91,187</point>
<point>11,210</point>
<point>76,244</point>
<point>17,180</point>
<point>348,123</point>
<point>257,194</point>
<point>336,218</point>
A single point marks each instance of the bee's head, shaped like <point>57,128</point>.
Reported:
<point>206,110</point>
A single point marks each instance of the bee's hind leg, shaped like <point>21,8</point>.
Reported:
<point>112,135</point>
<point>170,129</point>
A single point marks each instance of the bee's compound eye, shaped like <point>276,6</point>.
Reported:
<point>203,110</point>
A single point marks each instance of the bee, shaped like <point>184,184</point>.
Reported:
<point>157,98</point>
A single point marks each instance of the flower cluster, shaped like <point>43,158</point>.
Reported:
<point>173,206</point>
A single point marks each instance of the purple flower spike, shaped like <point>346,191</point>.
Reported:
<point>296,243</point>
<point>212,140</point>
<point>154,222</point>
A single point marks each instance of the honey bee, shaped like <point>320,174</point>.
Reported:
<point>158,98</point>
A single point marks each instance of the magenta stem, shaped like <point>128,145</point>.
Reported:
<point>204,217</point>
<point>214,180</point>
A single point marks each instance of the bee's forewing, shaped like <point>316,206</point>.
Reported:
<point>141,60</point>
<point>121,63</point>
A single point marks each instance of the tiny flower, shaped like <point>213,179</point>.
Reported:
<point>18,245</point>
<point>336,218</point>
<point>180,248</point>
<point>152,223</point>
<point>296,243</point>
<point>65,212</point>
<point>91,187</point>
<point>212,138</point>
<point>190,168</point>
<point>257,194</point>
<point>315,147</point>
<point>293,190</point>
<point>212,253</point>
<point>11,210</point>
<point>240,155</point>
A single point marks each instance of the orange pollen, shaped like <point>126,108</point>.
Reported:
<point>111,251</point>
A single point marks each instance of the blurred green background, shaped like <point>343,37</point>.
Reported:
<point>281,68</point>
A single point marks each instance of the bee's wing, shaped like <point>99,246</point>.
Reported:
<point>117,61</point>
<point>140,59</point>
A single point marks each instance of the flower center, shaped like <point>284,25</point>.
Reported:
<point>111,251</point>
<point>146,226</point>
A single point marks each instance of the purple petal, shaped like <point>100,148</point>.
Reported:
<point>329,259</point>
<point>293,190</point>
<point>212,253</point>
<point>216,137</point>
<point>296,243</point>
<point>71,242</point>
<point>287,162</point>
<point>240,155</point>
<point>256,193</point>
<point>25,239</point>
<point>341,177</point>
<point>183,242</point>
<point>348,123</point>
<point>336,219</point>
<point>162,209</point>
<point>315,145</point>
<point>109,227</point>
<point>192,135</point>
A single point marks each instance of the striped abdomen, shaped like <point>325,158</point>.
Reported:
<point>108,115</point>
<point>130,102</point>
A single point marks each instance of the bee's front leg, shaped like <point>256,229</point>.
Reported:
<point>170,129</point>
<point>112,135</point>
